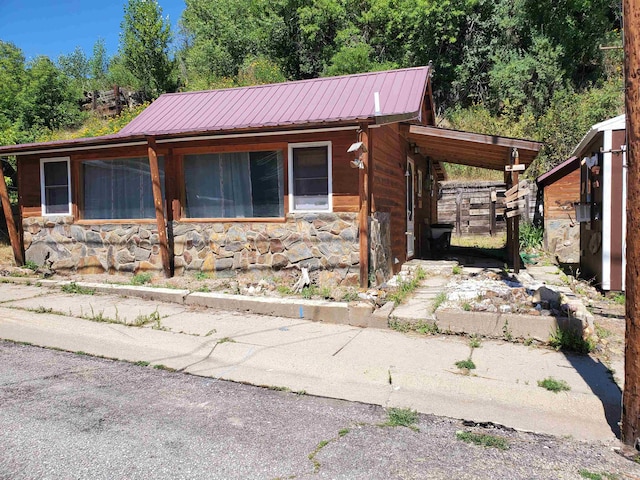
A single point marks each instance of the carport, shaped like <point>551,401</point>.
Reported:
<point>483,151</point>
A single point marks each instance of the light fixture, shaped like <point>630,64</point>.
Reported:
<point>358,146</point>
<point>357,163</point>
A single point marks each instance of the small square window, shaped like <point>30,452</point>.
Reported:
<point>310,176</point>
<point>55,186</point>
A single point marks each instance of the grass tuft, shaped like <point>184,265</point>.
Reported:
<point>554,385</point>
<point>73,287</point>
<point>402,417</point>
<point>141,278</point>
<point>483,439</point>
<point>406,288</point>
<point>439,300</point>
<point>474,341</point>
<point>571,341</point>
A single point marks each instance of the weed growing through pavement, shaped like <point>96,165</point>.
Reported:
<point>73,287</point>
<point>141,363</point>
<point>160,366</point>
<point>210,332</point>
<point>466,365</point>
<point>225,340</point>
<point>474,341</point>
<point>571,340</point>
<point>421,326</point>
<point>456,270</point>
<point>483,439</point>
<point>439,300</point>
<point>141,278</point>
<point>508,336</point>
<point>405,288</point>
<point>554,385</point>
<point>343,432</point>
<point>402,417</point>
<point>618,298</point>
<point>312,455</point>
<point>466,306</point>
<point>142,320</point>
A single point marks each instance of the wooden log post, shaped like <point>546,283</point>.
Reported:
<point>158,204</point>
<point>493,197</point>
<point>364,187</point>
<point>508,220</point>
<point>14,238</point>
<point>516,220</point>
<point>630,428</point>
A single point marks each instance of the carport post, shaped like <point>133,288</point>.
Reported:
<point>516,220</point>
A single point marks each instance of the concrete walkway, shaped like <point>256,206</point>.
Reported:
<point>367,365</point>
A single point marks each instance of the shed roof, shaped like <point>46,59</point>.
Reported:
<point>615,123</point>
<point>317,102</point>
<point>558,171</point>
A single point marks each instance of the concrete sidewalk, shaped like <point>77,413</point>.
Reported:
<point>368,365</point>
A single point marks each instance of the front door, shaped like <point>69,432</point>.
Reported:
<point>411,208</point>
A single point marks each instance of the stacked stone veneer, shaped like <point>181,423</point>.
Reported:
<point>381,263</point>
<point>58,243</point>
<point>318,241</point>
<point>562,239</point>
<point>322,241</point>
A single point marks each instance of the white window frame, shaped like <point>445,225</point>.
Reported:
<point>291,148</point>
<point>42,185</point>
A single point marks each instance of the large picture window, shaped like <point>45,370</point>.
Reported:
<point>119,189</point>
<point>310,176</point>
<point>55,186</point>
<point>234,185</point>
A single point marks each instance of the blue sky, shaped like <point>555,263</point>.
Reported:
<point>55,27</point>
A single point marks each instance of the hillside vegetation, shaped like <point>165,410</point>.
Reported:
<point>521,68</point>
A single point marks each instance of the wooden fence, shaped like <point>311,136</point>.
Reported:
<point>478,208</point>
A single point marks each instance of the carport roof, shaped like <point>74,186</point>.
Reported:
<point>474,149</point>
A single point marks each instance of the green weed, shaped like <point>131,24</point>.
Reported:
<point>349,296</point>
<point>618,298</point>
<point>506,332</point>
<point>203,289</point>
<point>402,417</point>
<point>466,364</point>
<point>201,276</point>
<point>325,292</point>
<point>466,306</point>
<point>474,341</point>
<point>483,439</point>
<point>226,340</point>
<point>602,332</point>
<point>142,320</point>
<point>530,236</point>
<point>141,278</point>
<point>309,292</point>
<point>141,363</point>
<point>584,473</point>
<point>554,385</point>
<point>423,327</point>
<point>284,290</point>
<point>31,265</point>
<point>73,287</point>
<point>405,288</point>
<point>456,270</point>
<point>571,340</point>
<point>159,366</point>
<point>439,300</point>
<point>343,432</point>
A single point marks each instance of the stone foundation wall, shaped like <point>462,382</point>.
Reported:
<point>58,243</point>
<point>562,239</point>
<point>322,241</point>
<point>381,263</point>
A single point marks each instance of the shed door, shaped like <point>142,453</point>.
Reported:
<point>411,208</point>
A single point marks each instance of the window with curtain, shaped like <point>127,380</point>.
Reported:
<point>234,185</point>
<point>119,189</point>
<point>310,175</point>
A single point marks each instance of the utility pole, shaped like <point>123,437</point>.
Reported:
<point>631,398</point>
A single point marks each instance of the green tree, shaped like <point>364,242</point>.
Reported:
<point>76,66</point>
<point>47,99</point>
<point>12,74</point>
<point>99,65</point>
<point>144,47</point>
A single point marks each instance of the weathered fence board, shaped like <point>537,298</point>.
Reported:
<point>469,206</point>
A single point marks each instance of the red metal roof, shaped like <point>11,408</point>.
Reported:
<point>307,102</point>
<point>322,100</point>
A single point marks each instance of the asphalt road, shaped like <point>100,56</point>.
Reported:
<point>65,415</point>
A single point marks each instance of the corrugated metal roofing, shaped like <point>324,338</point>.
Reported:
<point>322,100</point>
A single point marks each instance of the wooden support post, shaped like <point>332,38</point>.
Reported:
<point>158,204</point>
<point>364,209</point>
<point>516,220</point>
<point>509,221</point>
<point>492,211</point>
<point>14,238</point>
<point>458,212</point>
<point>630,427</point>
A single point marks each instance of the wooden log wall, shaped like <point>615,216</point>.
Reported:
<point>468,206</point>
